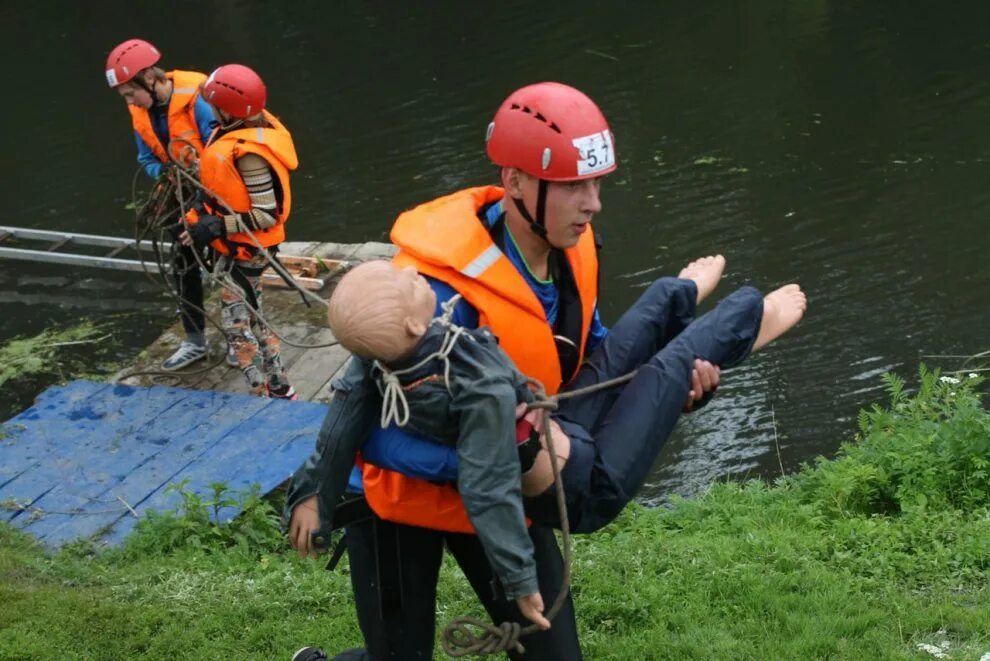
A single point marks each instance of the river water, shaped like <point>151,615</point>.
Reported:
<point>845,146</point>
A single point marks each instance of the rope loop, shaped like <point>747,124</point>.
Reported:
<point>393,400</point>
<point>395,407</point>
<point>459,639</point>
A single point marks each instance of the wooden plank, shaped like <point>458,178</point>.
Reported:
<point>319,366</point>
<point>94,460</point>
<point>34,435</point>
<point>135,441</point>
<point>207,419</point>
<point>325,393</point>
<point>275,280</point>
<point>264,450</point>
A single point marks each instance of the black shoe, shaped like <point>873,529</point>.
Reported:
<point>309,654</point>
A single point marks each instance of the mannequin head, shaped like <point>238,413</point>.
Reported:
<point>380,311</point>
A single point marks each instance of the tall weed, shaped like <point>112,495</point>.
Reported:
<point>927,451</point>
<point>199,523</point>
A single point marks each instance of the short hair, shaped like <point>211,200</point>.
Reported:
<point>159,74</point>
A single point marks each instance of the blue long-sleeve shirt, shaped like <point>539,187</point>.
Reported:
<point>159,123</point>
<point>396,449</point>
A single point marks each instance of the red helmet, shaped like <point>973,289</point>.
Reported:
<point>553,132</point>
<point>236,90</point>
<point>129,58</point>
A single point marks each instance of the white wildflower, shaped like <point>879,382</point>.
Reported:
<point>934,650</point>
<point>973,375</point>
<point>948,379</point>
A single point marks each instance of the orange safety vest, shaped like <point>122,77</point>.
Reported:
<point>219,175</point>
<point>445,239</point>
<point>182,124</point>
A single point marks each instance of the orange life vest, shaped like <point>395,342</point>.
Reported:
<point>219,175</point>
<point>446,240</point>
<point>182,126</point>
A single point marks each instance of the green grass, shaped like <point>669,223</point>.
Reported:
<point>863,557</point>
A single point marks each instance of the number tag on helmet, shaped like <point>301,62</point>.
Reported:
<point>596,153</point>
<point>112,77</point>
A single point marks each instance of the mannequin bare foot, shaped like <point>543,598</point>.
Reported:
<point>782,308</point>
<point>706,272</point>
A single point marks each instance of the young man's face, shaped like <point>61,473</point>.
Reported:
<point>569,208</point>
<point>135,95</point>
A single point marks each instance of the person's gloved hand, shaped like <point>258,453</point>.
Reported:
<point>203,231</point>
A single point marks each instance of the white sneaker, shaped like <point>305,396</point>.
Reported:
<point>187,354</point>
<point>232,357</point>
<point>285,392</point>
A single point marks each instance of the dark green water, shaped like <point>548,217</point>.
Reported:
<point>845,146</point>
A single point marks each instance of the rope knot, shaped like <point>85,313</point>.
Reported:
<point>447,316</point>
<point>394,404</point>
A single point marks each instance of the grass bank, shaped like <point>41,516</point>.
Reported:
<point>881,553</point>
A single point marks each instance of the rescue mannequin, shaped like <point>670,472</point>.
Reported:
<point>383,314</point>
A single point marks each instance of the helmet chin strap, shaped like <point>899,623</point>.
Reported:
<point>228,123</point>
<point>539,225</point>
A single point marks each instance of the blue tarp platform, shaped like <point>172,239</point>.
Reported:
<point>73,465</point>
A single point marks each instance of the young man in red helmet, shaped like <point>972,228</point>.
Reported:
<point>171,123</point>
<point>244,170</point>
<point>525,262</point>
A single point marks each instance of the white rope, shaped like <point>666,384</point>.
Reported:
<point>393,398</point>
<point>395,406</point>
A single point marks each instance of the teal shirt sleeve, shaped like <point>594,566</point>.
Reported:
<point>204,119</point>
<point>146,158</point>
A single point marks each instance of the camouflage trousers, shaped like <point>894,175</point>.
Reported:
<point>257,349</point>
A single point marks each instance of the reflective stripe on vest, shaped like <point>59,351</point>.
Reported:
<point>481,263</point>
